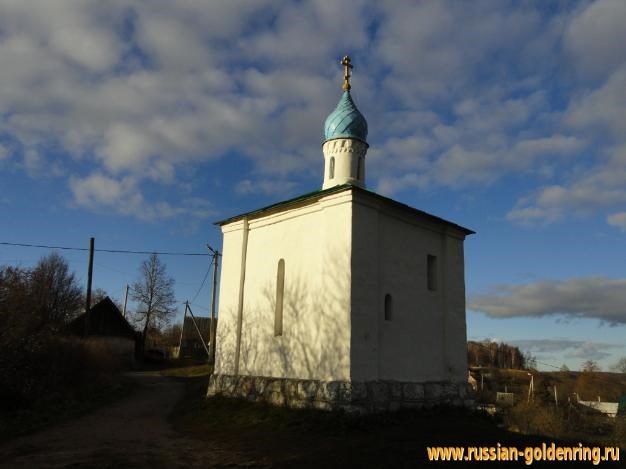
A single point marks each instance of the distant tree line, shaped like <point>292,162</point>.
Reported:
<point>497,355</point>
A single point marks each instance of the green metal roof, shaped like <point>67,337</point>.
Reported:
<point>316,195</point>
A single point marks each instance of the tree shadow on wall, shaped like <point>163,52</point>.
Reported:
<point>315,343</point>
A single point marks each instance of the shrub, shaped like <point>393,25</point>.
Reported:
<point>535,418</point>
<point>42,367</point>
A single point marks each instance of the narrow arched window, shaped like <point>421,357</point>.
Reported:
<point>359,168</point>
<point>388,307</point>
<point>331,170</point>
<point>431,272</point>
<point>280,290</point>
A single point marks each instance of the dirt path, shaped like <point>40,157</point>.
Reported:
<point>133,432</point>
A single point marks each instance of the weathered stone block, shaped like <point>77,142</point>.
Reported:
<point>328,391</point>
<point>291,388</point>
<point>396,391</point>
<point>344,393</point>
<point>307,390</point>
<point>260,384</point>
<point>244,386</point>
<point>450,389</point>
<point>359,392</point>
<point>351,396</point>
<point>379,392</point>
<point>433,391</point>
<point>413,391</point>
<point>228,385</point>
<point>274,385</point>
<point>277,398</point>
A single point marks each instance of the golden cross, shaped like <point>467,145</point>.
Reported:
<point>346,72</point>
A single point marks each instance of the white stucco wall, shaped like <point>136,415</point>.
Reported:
<point>314,241</point>
<point>426,338</point>
<point>346,153</point>
<point>342,254</point>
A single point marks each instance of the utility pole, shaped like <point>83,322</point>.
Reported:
<point>89,278</point>
<point>556,399</point>
<point>125,300</point>
<point>216,255</point>
<point>193,319</point>
<point>182,330</point>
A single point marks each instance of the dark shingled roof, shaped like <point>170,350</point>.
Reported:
<point>105,319</point>
<point>316,195</point>
<point>204,324</point>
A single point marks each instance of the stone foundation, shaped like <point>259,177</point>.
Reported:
<point>371,396</point>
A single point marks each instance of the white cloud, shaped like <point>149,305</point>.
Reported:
<point>264,186</point>
<point>602,110</point>
<point>618,220</point>
<point>604,186</point>
<point>138,91</point>
<point>582,349</point>
<point>103,193</point>
<point>591,297</point>
<point>595,37</point>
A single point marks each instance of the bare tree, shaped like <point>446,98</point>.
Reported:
<point>619,366</point>
<point>154,291</point>
<point>590,366</point>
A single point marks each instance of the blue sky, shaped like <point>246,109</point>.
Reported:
<point>141,123</point>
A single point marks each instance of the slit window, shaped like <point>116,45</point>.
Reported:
<point>388,308</point>
<point>431,272</point>
<point>331,169</point>
<point>280,290</point>
<point>359,167</point>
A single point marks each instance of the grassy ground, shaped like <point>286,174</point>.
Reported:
<point>189,371</point>
<point>281,437</point>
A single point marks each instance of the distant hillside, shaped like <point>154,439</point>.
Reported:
<point>496,355</point>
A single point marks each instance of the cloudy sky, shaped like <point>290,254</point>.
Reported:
<point>141,123</point>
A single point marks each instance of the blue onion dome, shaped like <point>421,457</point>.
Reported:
<point>346,121</point>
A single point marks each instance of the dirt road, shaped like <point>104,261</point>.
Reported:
<point>133,432</point>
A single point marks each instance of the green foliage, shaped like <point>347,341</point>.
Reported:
<point>41,369</point>
<point>43,298</point>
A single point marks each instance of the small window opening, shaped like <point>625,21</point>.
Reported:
<point>331,171</point>
<point>431,272</point>
<point>359,168</point>
<point>388,308</point>
<point>280,289</point>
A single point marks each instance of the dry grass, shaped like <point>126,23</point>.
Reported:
<point>283,437</point>
<point>191,371</point>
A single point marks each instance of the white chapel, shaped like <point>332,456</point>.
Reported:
<point>342,298</point>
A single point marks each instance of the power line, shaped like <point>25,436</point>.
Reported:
<point>203,281</point>
<point>114,251</point>
<point>200,306</point>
